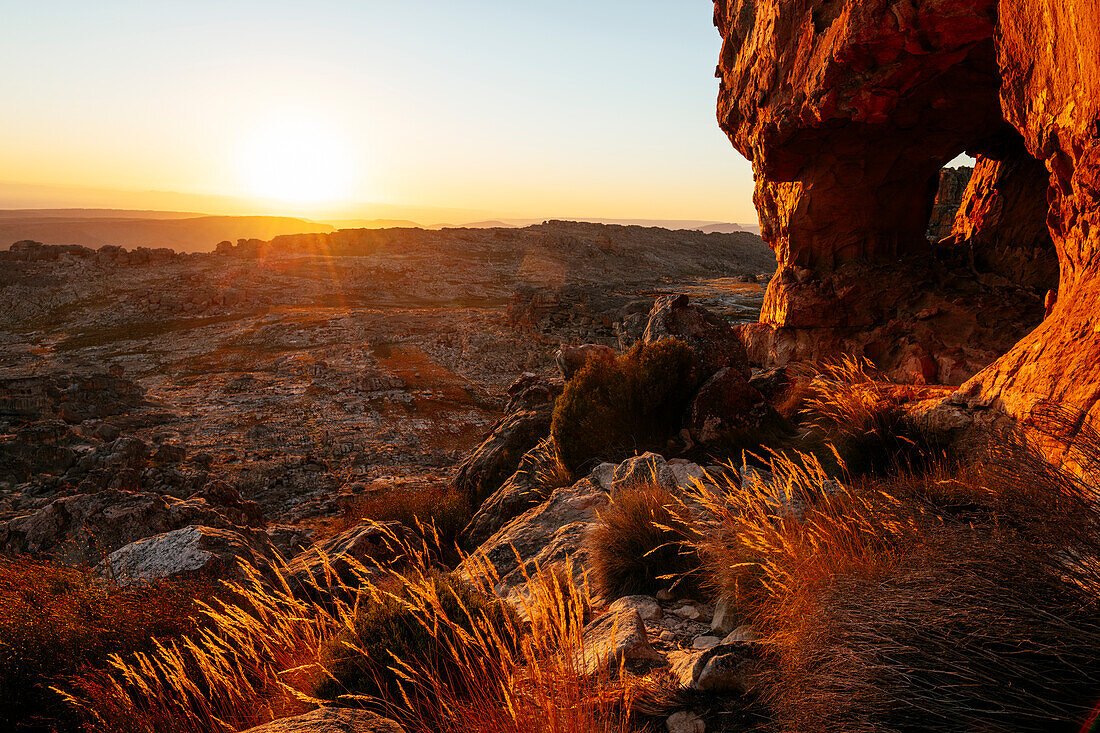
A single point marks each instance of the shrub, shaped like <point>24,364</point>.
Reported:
<point>861,415</point>
<point>444,509</point>
<point>391,628</point>
<point>641,540</point>
<point>613,409</point>
<point>56,619</point>
<point>957,600</point>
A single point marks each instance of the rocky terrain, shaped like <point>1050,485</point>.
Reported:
<point>308,371</point>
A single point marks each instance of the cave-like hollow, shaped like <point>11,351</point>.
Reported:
<point>847,177</point>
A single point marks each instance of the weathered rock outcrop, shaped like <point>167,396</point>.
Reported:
<point>85,527</point>
<point>949,197</point>
<point>529,412</point>
<point>191,552</point>
<point>848,110</point>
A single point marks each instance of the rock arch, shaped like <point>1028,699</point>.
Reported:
<point>849,109</point>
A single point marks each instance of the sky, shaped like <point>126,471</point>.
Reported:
<point>570,108</point>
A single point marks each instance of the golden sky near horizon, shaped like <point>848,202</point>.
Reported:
<point>570,109</point>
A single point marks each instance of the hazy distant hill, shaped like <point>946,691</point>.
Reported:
<point>181,232</point>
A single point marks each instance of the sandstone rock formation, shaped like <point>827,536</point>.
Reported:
<point>949,196</point>
<point>848,111</point>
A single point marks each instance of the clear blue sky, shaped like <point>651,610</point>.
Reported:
<point>599,108</point>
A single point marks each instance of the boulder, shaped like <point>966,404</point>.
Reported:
<point>643,469</point>
<point>188,553</point>
<point>716,344</point>
<point>338,560</point>
<point>528,486</point>
<point>726,405</point>
<point>85,527</point>
<point>331,720</point>
<point>552,532</point>
<point>229,502</point>
<point>617,636</point>
<point>530,411</point>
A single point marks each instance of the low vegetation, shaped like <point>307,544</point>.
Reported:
<point>613,409</point>
<point>956,599</point>
<point>269,653</point>
<point>439,506</point>
<point>56,621</point>
<point>642,543</point>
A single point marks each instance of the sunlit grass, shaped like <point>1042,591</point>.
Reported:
<point>262,656</point>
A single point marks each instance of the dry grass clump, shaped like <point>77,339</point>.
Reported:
<point>859,412</point>
<point>643,542</point>
<point>441,507</point>
<point>611,410</point>
<point>945,603</point>
<point>57,619</point>
<point>389,628</point>
<point>264,654</point>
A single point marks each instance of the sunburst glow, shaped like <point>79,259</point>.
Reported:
<point>296,161</point>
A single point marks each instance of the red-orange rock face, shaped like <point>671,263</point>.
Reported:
<point>850,108</point>
<point>1049,55</point>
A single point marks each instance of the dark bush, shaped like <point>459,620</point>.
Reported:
<point>641,538</point>
<point>399,627</point>
<point>611,410</point>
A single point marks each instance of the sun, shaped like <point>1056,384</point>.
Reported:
<point>296,161</point>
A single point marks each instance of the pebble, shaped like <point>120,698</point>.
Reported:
<point>685,721</point>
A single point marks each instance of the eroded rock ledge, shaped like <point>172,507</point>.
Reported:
<point>849,110</point>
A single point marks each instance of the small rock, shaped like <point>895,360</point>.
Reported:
<point>646,468</point>
<point>615,636</point>
<point>689,612</point>
<point>685,721</point>
<point>731,667</point>
<point>188,553</point>
<point>723,620</point>
<point>646,606</point>
<point>702,643</point>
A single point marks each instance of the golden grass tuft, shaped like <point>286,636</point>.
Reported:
<point>949,600</point>
<point>642,543</point>
<point>860,415</point>
<point>265,653</point>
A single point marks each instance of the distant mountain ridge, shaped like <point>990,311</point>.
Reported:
<point>197,232</point>
<point>186,233</point>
